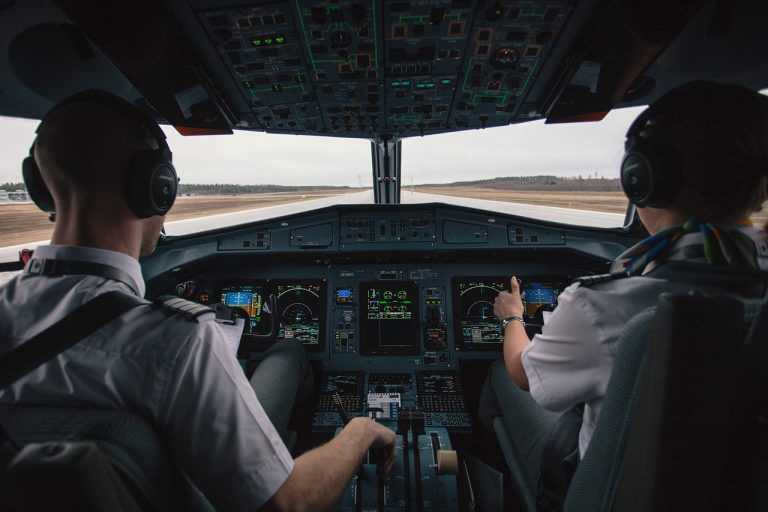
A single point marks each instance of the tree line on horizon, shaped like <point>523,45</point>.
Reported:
<point>540,183</point>
<point>533,183</point>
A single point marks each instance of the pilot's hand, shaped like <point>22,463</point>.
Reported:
<point>509,303</point>
<point>384,444</point>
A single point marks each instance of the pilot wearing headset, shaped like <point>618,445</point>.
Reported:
<point>695,166</point>
<point>104,167</point>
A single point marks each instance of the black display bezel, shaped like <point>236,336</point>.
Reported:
<point>366,345</point>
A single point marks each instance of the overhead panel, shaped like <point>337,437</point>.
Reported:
<point>264,52</point>
<point>426,44</point>
<point>344,48</point>
<point>385,68</point>
<point>508,45</point>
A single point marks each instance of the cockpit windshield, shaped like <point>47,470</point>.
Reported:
<point>566,173</point>
<point>226,180</point>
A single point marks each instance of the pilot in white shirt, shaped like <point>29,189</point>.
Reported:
<point>699,217</point>
<point>179,372</point>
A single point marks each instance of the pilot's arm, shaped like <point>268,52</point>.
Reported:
<point>561,366</point>
<point>223,439</point>
<point>320,476</point>
<point>507,305</point>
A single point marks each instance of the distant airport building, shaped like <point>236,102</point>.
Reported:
<point>18,195</point>
<point>4,195</point>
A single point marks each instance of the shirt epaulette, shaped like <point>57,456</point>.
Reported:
<point>588,281</point>
<point>188,309</point>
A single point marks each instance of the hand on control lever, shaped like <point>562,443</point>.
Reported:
<point>384,444</point>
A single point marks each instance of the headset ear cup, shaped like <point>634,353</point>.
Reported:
<point>152,185</point>
<point>165,184</point>
<point>36,187</point>
<point>636,179</point>
<point>651,174</point>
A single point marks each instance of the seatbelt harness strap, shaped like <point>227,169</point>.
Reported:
<point>54,340</point>
<point>64,334</point>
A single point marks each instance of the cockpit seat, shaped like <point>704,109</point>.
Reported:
<point>681,425</point>
<point>595,480</point>
<point>136,451</point>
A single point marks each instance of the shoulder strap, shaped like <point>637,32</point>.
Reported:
<point>173,305</point>
<point>64,334</point>
<point>588,281</point>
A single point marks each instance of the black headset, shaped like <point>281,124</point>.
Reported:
<point>652,168</point>
<point>152,182</point>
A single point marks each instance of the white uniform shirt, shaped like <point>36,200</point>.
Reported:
<point>571,361</point>
<point>180,374</point>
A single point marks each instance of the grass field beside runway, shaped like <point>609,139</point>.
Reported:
<point>23,222</point>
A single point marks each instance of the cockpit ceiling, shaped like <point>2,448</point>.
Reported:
<point>403,68</point>
<point>377,69</point>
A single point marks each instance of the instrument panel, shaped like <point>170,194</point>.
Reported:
<point>435,316</point>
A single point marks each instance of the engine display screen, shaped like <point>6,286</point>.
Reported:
<point>477,328</point>
<point>254,301</point>
<point>300,310</point>
<point>389,318</point>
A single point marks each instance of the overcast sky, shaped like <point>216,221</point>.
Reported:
<point>258,158</point>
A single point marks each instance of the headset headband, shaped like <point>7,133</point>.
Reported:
<point>151,183</point>
<point>115,102</point>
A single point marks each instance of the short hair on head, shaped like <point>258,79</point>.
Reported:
<point>722,132</point>
<point>87,146</point>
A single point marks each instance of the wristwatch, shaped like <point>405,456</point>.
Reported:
<point>514,318</point>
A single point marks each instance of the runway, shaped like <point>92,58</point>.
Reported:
<point>549,213</point>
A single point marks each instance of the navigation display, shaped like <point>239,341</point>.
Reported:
<point>539,299</point>
<point>389,317</point>
<point>476,326</point>
<point>300,309</point>
<point>254,301</point>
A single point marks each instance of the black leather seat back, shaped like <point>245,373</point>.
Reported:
<point>679,428</point>
<point>687,422</point>
<point>133,446</point>
<point>593,485</point>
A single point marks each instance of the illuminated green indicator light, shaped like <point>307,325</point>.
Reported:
<point>425,85</point>
<point>280,39</point>
<point>405,83</point>
<point>446,81</point>
<point>256,42</point>
<point>268,41</point>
